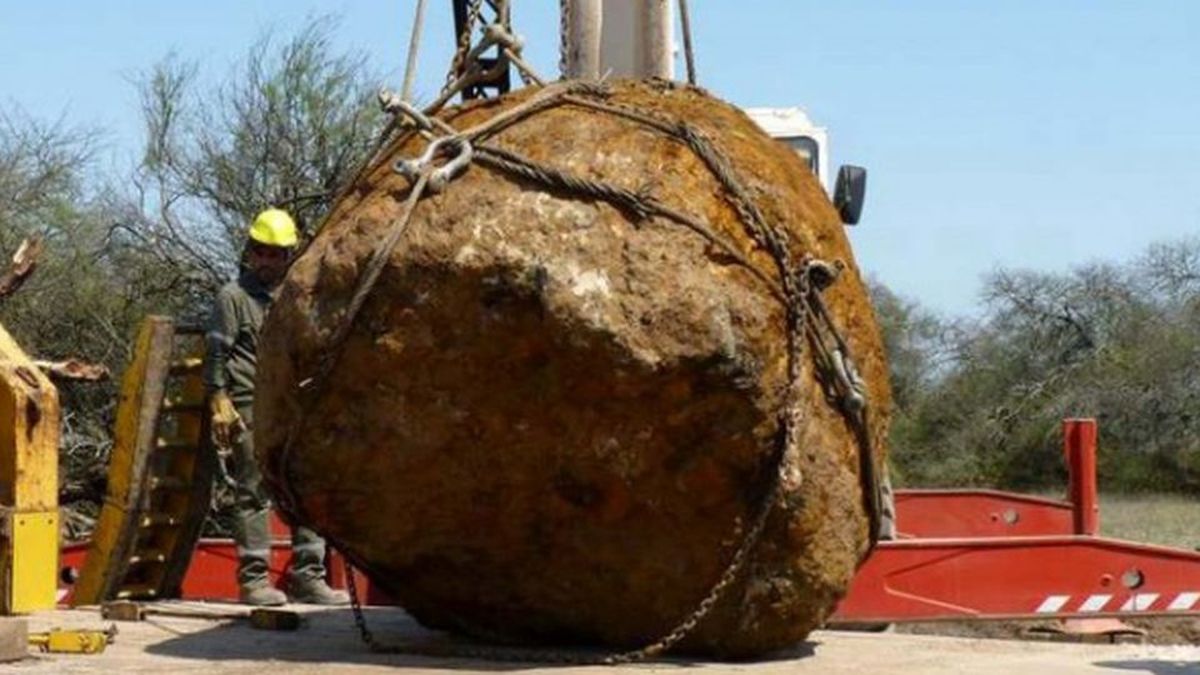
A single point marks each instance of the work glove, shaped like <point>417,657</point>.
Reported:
<point>227,424</point>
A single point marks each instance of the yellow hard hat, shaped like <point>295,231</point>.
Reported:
<point>274,227</point>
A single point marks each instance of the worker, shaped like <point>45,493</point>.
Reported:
<point>229,374</point>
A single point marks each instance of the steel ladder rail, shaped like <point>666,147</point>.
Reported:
<point>160,472</point>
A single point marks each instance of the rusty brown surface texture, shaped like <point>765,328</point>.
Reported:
<point>551,423</point>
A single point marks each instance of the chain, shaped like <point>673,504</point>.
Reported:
<point>360,621</point>
<point>653,650</point>
<point>464,44</point>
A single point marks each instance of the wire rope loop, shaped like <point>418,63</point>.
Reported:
<point>464,44</point>
<point>498,33</point>
<point>852,385</point>
<point>395,105</point>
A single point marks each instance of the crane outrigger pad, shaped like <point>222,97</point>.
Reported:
<point>160,473</point>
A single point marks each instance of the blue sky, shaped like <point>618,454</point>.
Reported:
<point>1018,133</point>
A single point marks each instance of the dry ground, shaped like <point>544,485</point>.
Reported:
<point>328,644</point>
<point>1170,520</point>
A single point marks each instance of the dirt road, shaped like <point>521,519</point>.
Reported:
<point>329,644</point>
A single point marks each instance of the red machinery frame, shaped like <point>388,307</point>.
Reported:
<point>212,572</point>
<point>963,554</point>
<point>983,554</point>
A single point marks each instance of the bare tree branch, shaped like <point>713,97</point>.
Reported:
<point>24,262</point>
<point>74,370</point>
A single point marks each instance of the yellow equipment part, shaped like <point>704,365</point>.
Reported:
<point>72,641</point>
<point>29,416</point>
<point>159,475</point>
<point>35,558</point>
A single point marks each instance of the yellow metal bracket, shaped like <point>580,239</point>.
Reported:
<point>73,641</point>
<point>29,415</point>
<point>34,544</point>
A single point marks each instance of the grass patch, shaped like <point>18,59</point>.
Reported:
<point>1164,519</point>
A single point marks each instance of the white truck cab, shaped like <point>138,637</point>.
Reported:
<point>793,127</point>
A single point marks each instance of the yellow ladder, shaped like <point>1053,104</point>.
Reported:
<point>159,475</point>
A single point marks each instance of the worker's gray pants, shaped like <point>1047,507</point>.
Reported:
<point>251,514</point>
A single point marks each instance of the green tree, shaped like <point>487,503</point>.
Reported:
<point>1115,342</point>
<point>86,292</point>
<point>287,128</point>
<point>912,339</point>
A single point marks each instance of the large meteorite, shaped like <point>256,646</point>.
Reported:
<point>554,419</point>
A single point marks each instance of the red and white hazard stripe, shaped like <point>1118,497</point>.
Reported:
<point>1103,602</point>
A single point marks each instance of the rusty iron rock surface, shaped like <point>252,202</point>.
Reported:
<point>551,423</point>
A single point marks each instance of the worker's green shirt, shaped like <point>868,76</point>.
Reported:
<point>231,359</point>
